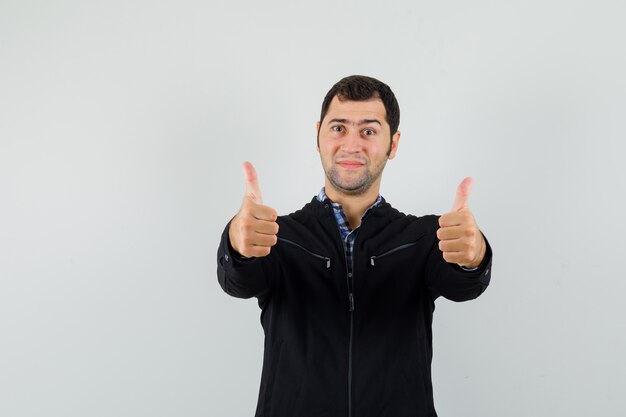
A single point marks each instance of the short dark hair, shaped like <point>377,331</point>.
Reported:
<point>361,88</point>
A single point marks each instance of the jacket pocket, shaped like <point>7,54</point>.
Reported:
<point>392,251</point>
<point>323,258</point>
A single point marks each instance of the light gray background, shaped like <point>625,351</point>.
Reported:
<point>123,126</point>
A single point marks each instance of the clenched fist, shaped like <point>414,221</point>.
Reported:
<point>253,230</point>
<point>460,240</point>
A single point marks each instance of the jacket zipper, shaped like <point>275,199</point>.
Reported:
<point>406,245</point>
<point>350,278</point>
<point>350,282</point>
<point>325,258</point>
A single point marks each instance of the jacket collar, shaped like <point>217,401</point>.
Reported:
<point>322,209</point>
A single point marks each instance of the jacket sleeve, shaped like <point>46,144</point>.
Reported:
<point>450,280</point>
<point>242,277</point>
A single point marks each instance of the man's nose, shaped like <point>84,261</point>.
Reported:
<point>351,141</point>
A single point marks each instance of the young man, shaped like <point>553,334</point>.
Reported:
<point>347,284</point>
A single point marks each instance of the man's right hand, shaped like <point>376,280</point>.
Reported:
<point>253,230</point>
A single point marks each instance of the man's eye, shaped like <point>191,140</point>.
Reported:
<point>369,132</point>
<point>337,128</point>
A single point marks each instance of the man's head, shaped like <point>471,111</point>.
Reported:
<point>361,88</point>
<point>357,133</point>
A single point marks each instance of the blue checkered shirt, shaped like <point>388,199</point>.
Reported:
<point>348,235</point>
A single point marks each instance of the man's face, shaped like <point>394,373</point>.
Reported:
<point>354,144</point>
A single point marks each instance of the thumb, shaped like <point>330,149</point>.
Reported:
<point>462,194</point>
<point>252,183</point>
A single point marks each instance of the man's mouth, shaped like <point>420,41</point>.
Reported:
<point>350,164</point>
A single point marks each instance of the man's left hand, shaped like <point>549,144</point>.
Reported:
<point>460,240</point>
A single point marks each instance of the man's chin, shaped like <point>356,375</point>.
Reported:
<point>349,184</point>
<point>351,189</point>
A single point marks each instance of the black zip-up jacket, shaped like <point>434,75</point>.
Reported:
<point>348,346</point>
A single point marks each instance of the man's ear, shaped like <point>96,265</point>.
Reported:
<point>318,136</point>
<point>395,141</point>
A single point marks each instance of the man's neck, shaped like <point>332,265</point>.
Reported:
<point>354,206</point>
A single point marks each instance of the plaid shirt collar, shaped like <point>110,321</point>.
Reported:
<point>340,216</point>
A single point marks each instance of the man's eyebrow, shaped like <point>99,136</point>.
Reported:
<point>360,122</point>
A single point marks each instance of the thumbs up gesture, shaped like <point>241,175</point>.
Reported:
<point>253,230</point>
<point>460,240</point>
